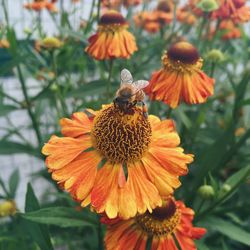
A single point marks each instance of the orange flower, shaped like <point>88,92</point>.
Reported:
<point>112,39</point>
<point>185,15</point>
<point>230,30</point>
<point>116,4</point>
<point>236,10</point>
<point>120,162</point>
<point>153,21</point>
<point>39,5</point>
<point>172,220</point>
<point>181,78</point>
<point>4,43</point>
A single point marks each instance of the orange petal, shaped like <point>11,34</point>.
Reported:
<point>79,124</point>
<point>61,151</point>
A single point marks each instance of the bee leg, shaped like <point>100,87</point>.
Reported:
<point>144,110</point>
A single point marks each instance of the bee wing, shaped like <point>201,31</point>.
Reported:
<point>140,84</point>
<point>126,77</point>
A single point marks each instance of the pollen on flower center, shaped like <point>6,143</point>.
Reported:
<point>162,221</point>
<point>120,137</point>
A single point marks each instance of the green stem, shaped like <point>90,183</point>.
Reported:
<point>169,112</point>
<point>5,12</point>
<point>98,10</point>
<point>200,206</point>
<point>212,69</point>
<point>111,63</point>
<point>90,19</point>
<point>100,236</point>
<point>10,97</point>
<point>27,100</point>
<point>59,93</point>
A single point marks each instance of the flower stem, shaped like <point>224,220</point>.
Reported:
<point>169,112</point>
<point>98,10</point>
<point>27,100</point>
<point>5,12</point>
<point>111,63</point>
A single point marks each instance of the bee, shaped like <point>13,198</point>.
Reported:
<point>130,93</point>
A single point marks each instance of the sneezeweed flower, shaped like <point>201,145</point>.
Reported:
<point>185,15</point>
<point>4,43</point>
<point>39,5</point>
<point>116,4</point>
<point>112,39</point>
<point>172,220</point>
<point>235,10</point>
<point>230,30</point>
<point>120,162</point>
<point>181,78</point>
<point>153,21</point>
<point>7,208</point>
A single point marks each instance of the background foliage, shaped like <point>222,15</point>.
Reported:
<point>216,132</point>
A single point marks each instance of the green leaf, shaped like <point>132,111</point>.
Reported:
<point>13,183</point>
<point>228,229</point>
<point>60,216</point>
<point>241,175</point>
<point>5,109</point>
<point>39,233</point>
<point>11,147</point>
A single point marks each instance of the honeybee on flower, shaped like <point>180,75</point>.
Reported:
<point>130,93</point>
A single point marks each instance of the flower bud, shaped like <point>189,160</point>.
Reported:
<point>7,208</point>
<point>208,5</point>
<point>215,56</point>
<point>206,192</point>
<point>225,188</point>
<point>51,43</point>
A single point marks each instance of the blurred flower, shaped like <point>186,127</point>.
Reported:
<point>112,39</point>
<point>165,224</point>
<point>43,74</point>
<point>116,4</point>
<point>7,208</point>
<point>239,131</point>
<point>235,10</point>
<point>207,5</point>
<point>206,192</point>
<point>184,15</point>
<point>153,21</point>
<point>39,5</point>
<point>51,43</point>
<point>4,43</point>
<point>119,162</point>
<point>215,56</point>
<point>230,30</point>
<point>181,78</point>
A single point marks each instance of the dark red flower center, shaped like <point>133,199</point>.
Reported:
<point>183,52</point>
<point>112,17</point>
<point>164,6</point>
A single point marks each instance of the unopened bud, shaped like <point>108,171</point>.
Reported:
<point>206,192</point>
<point>225,188</point>
<point>7,208</point>
<point>215,56</point>
<point>208,5</point>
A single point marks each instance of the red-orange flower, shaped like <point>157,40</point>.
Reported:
<point>171,220</point>
<point>39,5</point>
<point>153,21</point>
<point>230,30</point>
<point>116,4</point>
<point>236,10</point>
<point>112,39</point>
<point>181,78</point>
<point>122,163</point>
